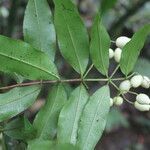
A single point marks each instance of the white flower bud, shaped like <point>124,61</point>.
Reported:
<point>136,81</point>
<point>146,82</point>
<point>141,107</point>
<point>142,99</point>
<point>125,86</point>
<point>111,102</point>
<point>117,54</point>
<point>122,41</point>
<point>111,53</point>
<point>118,100</point>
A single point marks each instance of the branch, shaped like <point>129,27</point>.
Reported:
<point>50,81</point>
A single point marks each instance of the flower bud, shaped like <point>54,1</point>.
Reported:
<point>136,81</point>
<point>118,100</point>
<point>117,54</point>
<point>111,53</point>
<point>141,107</point>
<point>122,41</point>
<point>142,99</point>
<point>111,102</point>
<point>146,82</point>
<point>125,86</point>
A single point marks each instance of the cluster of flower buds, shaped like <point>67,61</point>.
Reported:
<point>118,100</point>
<point>142,102</point>
<point>120,43</point>
<point>134,82</point>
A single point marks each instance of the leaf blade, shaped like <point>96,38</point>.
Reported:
<point>132,49</point>
<point>46,120</point>
<point>48,145</point>
<point>19,57</point>
<point>20,128</point>
<point>99,46</point>
<point>72,35</point>
<point>17,100</point>
<point>38,27</point>
<point>70,115</point>
<point>89,128</point>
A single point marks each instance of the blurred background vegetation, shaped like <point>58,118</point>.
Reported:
<point>127,129</point>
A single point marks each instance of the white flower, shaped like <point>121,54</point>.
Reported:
<point>146,82</point>
<point>141,107</point>
<point>118,100</point>
<point>117,54</point>
<point>111,102</point>
<point>122,41</point>
<point>111,53</point>
<point>142,99</point>
<point>125,86</point>
<point>136,81</point>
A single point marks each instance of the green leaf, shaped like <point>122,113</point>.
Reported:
<point>93,119</point>
<point>19,57</point>
<point>132,49</point>
<point>46,120</point>
<point>38,27</point>
<point>17,100</point>
<point>72,35</point>
<point>99,46</point>
<point>70,115</point>
<point>40,145</point>
<point>20,129</point>
<point>49,145</point>
<point>142,66</point>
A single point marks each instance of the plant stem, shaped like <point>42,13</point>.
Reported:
<point>62,81</point>
<point>127,99</point>
<point>114,71</point>
<point>88,70</point>
<point>118,79</point>
<point>132,92</point>
<point>131,75</point>
<point>113,41</point>
<point>114,85</point>
<point>51,81</point>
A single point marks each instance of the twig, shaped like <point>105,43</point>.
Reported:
<point>50,81</point>
<point>132,92</point>
<point>88,70</point>
<point>113,41</point>
<point>127,99</point>
<point>114,71</point>
<point>114,85</point>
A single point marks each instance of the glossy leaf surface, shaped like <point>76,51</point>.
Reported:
<point>99,46</point>
<point>19,57</point>
<point>17,100</point>
<point>38,27</point>
<point>93,119</point>
<point>132,49</point>
<point>70,115</point>
<point>72,35</point>
<point>47,118</point>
